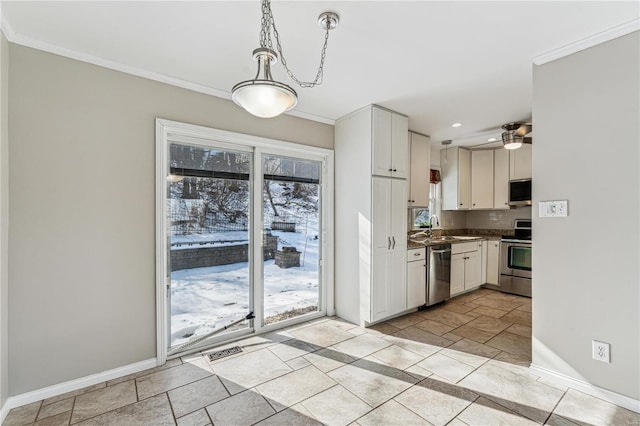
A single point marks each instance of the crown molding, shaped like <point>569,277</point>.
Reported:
<point>23,40</point>
<point>585,43</point>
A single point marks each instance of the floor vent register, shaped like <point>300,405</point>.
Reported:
<point>224,353</point>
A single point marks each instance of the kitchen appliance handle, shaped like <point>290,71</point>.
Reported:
<point>441,251</point>
<point>394,242</point>
<point>388,243</point>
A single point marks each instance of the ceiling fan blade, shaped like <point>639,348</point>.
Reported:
<point>524,129</point>
<point>487,143</point>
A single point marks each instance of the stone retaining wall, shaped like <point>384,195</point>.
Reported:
<point>202,257</point>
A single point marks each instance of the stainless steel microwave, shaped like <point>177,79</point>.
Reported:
<point>520,192</point>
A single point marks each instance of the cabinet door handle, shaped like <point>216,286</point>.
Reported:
<point>416,254</point>
<point>388,243</point>
<point>390,170</point>
<point>394,242</point>
<point>395,170</point>
<point>460,203</point>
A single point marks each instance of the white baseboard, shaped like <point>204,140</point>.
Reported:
<point>588,388</point>
<point>3,412</point>
<point>72,385</point>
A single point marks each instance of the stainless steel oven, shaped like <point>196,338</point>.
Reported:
<point>515,260</point>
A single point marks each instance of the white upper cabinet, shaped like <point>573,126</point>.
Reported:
<point>400,145</point>
<point>482,179</point>
<point>520,163</point>
<point>456,178</point>
<point>420,148</point>
<point>464,183</point>
<point>390,144</point>
<point>501,179</point>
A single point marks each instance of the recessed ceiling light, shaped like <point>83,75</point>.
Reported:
<point>492,140</point>
<point>456,125</point>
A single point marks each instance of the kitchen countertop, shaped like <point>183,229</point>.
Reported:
<point>411,244</point>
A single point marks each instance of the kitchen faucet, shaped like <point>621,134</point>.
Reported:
<point>433,216</point>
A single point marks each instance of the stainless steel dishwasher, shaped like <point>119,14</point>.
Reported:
<point>438,273</point>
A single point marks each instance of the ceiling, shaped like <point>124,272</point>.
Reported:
<point>437,62</point>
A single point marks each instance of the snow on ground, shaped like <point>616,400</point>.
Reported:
<point>213,239</point>
<point>205,299</point>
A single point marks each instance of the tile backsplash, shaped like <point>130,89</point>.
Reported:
<point>452,219</point>
<point>496,219</point>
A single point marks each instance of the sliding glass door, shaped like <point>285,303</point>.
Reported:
<point>209,197</point>
<point>241,237</point>
<point>291,220</point>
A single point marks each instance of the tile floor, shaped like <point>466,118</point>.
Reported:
<point>460,363</point>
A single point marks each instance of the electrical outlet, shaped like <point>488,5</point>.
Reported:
<point>601,351</point>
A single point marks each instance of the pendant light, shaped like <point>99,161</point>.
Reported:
<point>263,96</point>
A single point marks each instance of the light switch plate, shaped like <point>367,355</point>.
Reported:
<point>557,208</point>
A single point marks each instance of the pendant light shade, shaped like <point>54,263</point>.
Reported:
<point>262,96</point>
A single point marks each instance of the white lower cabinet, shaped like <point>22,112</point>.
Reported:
<point>483,261</point>
<point>493,262</point>
<point>416,278</point>
<point>457,273</point>
<point>388,290</point>
<point>466,266</point>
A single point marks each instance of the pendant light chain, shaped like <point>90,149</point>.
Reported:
<point>267,23</point>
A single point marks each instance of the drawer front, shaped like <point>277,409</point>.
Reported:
<point>416,254</point>
<point>464,247</point>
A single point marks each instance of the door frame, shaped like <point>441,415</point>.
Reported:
<point>166,131</point>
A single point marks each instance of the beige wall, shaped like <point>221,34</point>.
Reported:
<point>4,219</point>
<point>585,266</point>
<point>82,236</point>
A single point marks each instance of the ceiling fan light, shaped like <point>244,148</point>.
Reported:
<point>510,140</point>
<point>513,145</point>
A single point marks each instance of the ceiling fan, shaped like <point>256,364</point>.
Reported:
<point>515,134</point>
